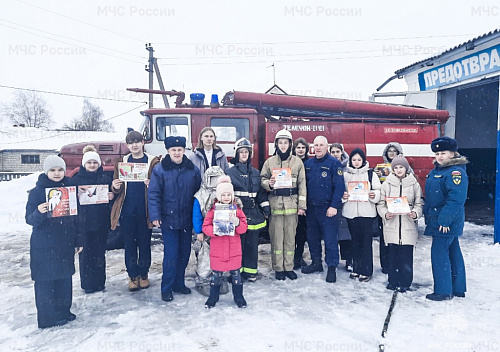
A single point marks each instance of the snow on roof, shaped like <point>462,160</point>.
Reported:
<point>22,138</point>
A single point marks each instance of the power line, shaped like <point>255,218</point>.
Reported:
<point>72,95</point>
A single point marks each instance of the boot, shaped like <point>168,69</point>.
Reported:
<point>316,265</point>
<point>331,275</point>
<point>214,296</point>
<point>133,283</point>
<point>291,275</point>
<point>144,281</point>
<point>438,297</point>
<point>238,296</point>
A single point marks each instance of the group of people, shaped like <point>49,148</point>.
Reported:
<point>303,199</point>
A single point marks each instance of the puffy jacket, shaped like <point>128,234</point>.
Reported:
<point>284,205</point>
<point>225,251</point>
<point>171,192</point>
<point>247,187</point>
<point>445,196</point>
<point>325,183</point>
<point>93,217</point>
<point>401,229</point>
<point>368,209</point>
<point>199,161</point>
<point>53,240</point>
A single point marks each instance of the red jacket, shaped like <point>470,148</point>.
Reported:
<point>225,251</point>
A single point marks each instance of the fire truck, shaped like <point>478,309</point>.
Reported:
<point>257,117</point>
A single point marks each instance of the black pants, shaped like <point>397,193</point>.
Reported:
<point>93,260</point>
<point>53,300</point>
<point>362,252</point>
<point>250,251</point>
<point>137,240</point>
<point>300,237</point>
<point>400,264</point>
<point>345,250</point>
<point>383,251</point>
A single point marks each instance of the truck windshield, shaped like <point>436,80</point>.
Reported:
<point>230,129</point>
<point>171,126</point>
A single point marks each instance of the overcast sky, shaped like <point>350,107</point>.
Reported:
<point>340,49</point>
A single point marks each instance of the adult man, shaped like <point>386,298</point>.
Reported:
<point>283,176</point>
<point>170,195</point>
<point>246,183</point>
<point>325,187</point>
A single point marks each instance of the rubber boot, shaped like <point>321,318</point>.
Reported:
<point>238,296</point>
<point>214,295</point>
<point>331,275</point>
<point>316,265</point>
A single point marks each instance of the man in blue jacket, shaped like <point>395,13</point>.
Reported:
<point>445,196</point>
<point>325,187</point>
<point>170,197</point>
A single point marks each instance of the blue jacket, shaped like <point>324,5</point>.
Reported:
<point>171,192</point>
<point>325,182</point>
<point>53,240</point>
<point>445,196</point>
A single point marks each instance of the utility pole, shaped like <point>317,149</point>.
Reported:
<point>149,68</point>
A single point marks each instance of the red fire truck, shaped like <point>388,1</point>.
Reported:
<point>258,117</point>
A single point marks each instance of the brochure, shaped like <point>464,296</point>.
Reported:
<point>358,191</point>
<point>385,170</point>
<point>283,177</point>
<point>135,172</point>
<point>398,205</point>
<point>62,201</point>
<point>224,216</point>
<point>93,194</point>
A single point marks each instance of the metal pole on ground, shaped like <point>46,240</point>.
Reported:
<point>381,346</point>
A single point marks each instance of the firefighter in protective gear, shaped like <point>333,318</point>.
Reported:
<point>246,183</point>
<point>284,178</point>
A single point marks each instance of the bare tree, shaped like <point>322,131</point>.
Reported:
<point>92,119</point>
<point>28,109</point>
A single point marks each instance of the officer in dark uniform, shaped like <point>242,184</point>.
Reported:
<point>325,187</point>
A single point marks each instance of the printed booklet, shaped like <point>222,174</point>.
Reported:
<point>93,194</point>
<point>358,191</point>
<point>224,216</point>
<point>283,178</point>
<point>134,172</point>
<point>385,170</point>
<point>62,201</point>
<point>398,205</point>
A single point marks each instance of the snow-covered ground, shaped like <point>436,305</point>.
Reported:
<point>303,315</point>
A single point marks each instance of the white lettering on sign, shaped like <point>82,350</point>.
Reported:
<point>400,130</point>
<point>305,128</point>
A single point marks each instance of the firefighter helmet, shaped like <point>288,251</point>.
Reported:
<point>283,134</point>
<point>243,143</point>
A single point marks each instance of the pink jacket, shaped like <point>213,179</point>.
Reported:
<point>225,251</point>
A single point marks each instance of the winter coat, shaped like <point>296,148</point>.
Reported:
<point>199,161</point>
<point>171,192</point>
<point>401,229</point>
<point>344,233</point>
<point>368,209</point>
<point>93,217</point>
<point>53,240</point>
<point>120,195</point>
<point>225,251</point>
<point>392,144</point>
<point>445,196</point>
<point>325,183</point>
<point>247,187</point>
<point>285,205</point>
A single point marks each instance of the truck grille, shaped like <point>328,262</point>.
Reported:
<point>106,148</point>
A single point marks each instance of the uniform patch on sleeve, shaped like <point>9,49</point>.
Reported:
<point>339,171</point>
<point>456,176</point>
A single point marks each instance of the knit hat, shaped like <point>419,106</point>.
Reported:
<point>90,153</point>
<point>442,144</point>
<point>177,141</point>
<point>361,154</point>
<point>400,160</point>
<point>224,185</point>
<point>53,161</point>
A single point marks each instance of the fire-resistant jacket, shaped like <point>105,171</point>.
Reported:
<point>401,229</point>
<point>285,205</point>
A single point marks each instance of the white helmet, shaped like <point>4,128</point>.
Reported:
<point>283,134</point>
<point>243,143</point>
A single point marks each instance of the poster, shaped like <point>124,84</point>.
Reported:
<point>385,170</point>
<point>398,205</point>
<point>358,191</point>
<point>133,171</point>
<point>62,201</point>
<point>93,194</point>
<point>224,216</point>
<point>283,178</point>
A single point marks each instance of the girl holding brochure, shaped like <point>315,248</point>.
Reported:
<point>399,207</point>
<point>225,249</point>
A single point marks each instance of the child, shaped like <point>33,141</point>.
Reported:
<point>225,251</point>
<point>400,231</point>
<point>52,249</point>
<point>94,222</point>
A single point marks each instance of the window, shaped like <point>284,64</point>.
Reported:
<point>30,159</point>
<point>146,128</point>
<point>171,126</point>
<point>230,129</point>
